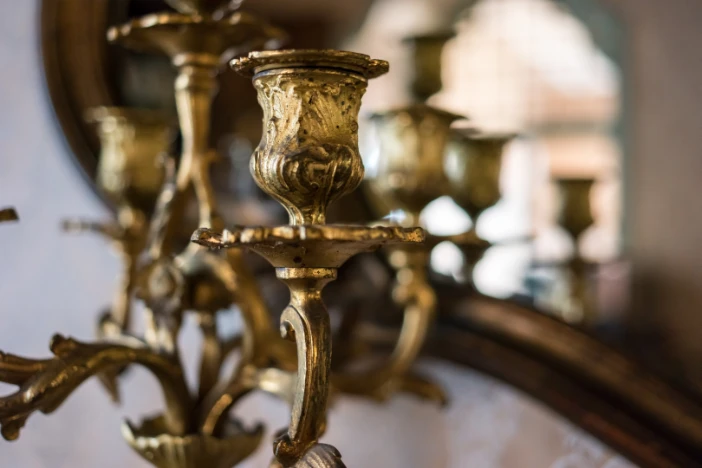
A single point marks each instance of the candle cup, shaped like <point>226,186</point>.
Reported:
<point>574,213</point>
<point>308,156</point>
<point>413,142</point>
<point>133,142</point>
<point>473,167</point>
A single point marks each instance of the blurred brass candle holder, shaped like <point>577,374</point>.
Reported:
<point>575,217</point>
<point>426,71</point>
<point>307,158</point>
<point>473,167</point>
<point>412,143</point>
<point>134,143</point>
<point>575,213</point>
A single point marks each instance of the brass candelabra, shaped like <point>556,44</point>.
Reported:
<point>308,157</point>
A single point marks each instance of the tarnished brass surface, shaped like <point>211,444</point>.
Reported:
<point>156,445</point>
<point>45,384</point>
<point>309,154</point>
<point>195,38</point>
<point>307,158</point>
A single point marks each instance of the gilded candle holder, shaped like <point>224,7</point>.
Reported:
<point>412,144</point>
<point>133,142</point>
<point>473,167</point>
<point>307,158</point>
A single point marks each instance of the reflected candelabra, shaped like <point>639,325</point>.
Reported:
<point>575,216</point>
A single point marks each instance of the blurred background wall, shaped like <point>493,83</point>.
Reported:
<point>663,174</point>
<point>51,282</point>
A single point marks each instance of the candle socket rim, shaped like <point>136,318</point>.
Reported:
<point>261,61</point>
<point>269,36</point>
<point>418,111</point>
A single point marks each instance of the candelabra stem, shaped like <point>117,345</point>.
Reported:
<point>121,306</point>
<point>306,321</point>
<point>414,293</point>
<point>194,88</point>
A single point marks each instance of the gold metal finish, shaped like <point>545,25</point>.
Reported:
<point>307,158</point>
<point>196,279</point>
<point>412,144</point>
<point>45,384</point>
<point>156,445</point>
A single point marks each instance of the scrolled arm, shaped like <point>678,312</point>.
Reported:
<point>45,384</point>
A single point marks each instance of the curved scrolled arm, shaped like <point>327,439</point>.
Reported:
<point>417,296</point>
<point>45,384</point>
<point>306,321</point>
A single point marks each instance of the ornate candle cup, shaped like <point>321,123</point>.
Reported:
<point>473,166</point>
<point>309,153</point>
<point>412,145</point>
<point>575,214</point>
<point>307,158</point>
<point>133,141</point>
<point>426,61</point>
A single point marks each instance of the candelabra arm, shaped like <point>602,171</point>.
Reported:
<point>45,384</point>
<point>212,354</point>
<point>166,206</point>
<point>415,294</point>
<point>306,321</point>
<point>254,311</point>
<point>194,88</point>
